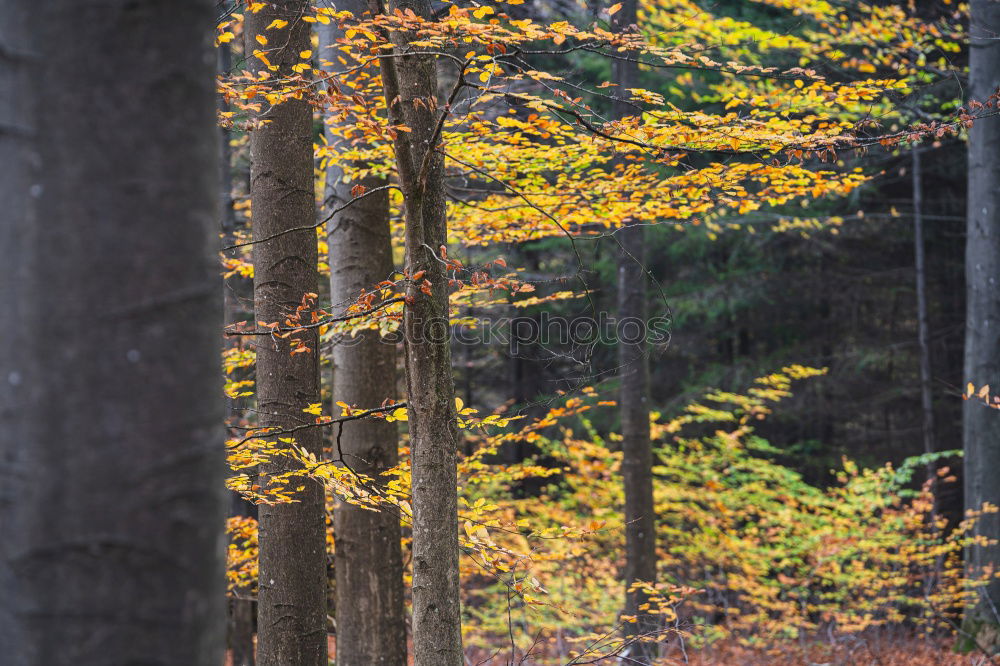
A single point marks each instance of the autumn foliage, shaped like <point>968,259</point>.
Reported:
<point>751,557</point>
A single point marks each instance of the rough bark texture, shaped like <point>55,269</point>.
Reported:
<point>633,360</point>
<point>371,618</point>
<point>923,323</point>
<point>982,324</point>
<point>291,611</point>
<point>111,456</point>
<point>430,389</point>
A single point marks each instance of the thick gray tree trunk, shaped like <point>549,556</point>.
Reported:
<point>430,389</point>
<point>633,361</point>
<point>111,456</point>
<point>291,601</point>
<point>981,431</point>
<point>371,618</point>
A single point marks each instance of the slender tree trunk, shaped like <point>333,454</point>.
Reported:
<point>637,456</point>
<point>239,628</point>
<point>411,91</point>
<point>111,456</point>
<point>291,608</point>
<point>241,607</point>
<point>923,325</point>
<point>371,619</point>
<point>633,360</point>
<point>981,432</point>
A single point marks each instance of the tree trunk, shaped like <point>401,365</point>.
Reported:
<point>923,325</point>
<point>371,619</point>
<point>111,456</point>
<point>633,361</point>
<point>291,608</point>
<point>239,628</point>
<point>430,389</point>
<point>241,606</point>
<point>981,432</point>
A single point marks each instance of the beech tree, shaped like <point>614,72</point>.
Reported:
<point>923,325</point>
<point>291,611</point>
<point>533,160</point>
<point>633,361</point>
<point>981,425</point>
<point>371,619</point>
<point>111,454</point>
<point>410,85</point>
<point>239,629</point>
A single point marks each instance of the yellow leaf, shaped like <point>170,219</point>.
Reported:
<point>260,55</point>
<point>400,414</point>
<point>277,23</point>
<point>984,392</point>
<point>613,9</point>
<point>970,389</point>
<point>256,7</point>
<point>225,38</point>
<point>482,11</point>
<point>261,39</point>
<point>305,54</point>
<point>315,409</point>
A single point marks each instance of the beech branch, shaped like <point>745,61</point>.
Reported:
<point>310,227</point>
<point>273,432</point>
<point>328,320</point>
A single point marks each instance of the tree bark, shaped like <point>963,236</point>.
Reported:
<point>371,619</point>
<point>633,361</point>
<point>923,324</point>
<point>430,389</point>
<point>291,601</point>
<point>111,456</point>
<point>981,432</point>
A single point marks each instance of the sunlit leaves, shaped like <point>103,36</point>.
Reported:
<point>529,157</point>
<point>982,394</point>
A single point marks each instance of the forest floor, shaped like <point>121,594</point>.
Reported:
<point>871,652</point>
<point>898,652</point>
